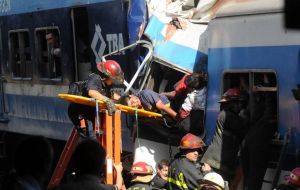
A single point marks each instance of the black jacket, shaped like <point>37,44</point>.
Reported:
<point>222,152</point>
<point>184,175</point>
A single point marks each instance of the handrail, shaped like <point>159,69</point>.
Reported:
<point>142,43</point>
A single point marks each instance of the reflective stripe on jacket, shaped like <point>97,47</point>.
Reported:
<point>184,175</point>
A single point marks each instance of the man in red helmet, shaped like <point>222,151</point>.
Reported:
<point>98,86</point>
<point>184,170</point>
<point>141,176</point>
<point>292,181</point>
<point>221,154</point>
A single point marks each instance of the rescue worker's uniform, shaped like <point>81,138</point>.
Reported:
<point>257,143</point>
<point>184,173</point>
<point>96,81</point>
<point>221,154</point>
<point>142,176</point>
<point>158,183</point>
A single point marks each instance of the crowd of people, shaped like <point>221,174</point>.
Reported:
<point>195,166</point>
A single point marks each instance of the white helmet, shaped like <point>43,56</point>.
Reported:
<point>212,179</point>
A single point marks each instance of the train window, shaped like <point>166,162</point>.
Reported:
<point>48,53</point>
<point>258,90</point>
<point>20,54</point>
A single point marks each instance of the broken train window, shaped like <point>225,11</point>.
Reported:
<point>20,54</point>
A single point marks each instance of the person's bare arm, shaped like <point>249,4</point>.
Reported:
<point>169,94</point>
<point>161,106</point>
<point>116,96</point>
<point>119,178</point>
<point>97,95</point>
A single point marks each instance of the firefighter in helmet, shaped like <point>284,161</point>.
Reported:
<point>212,181</point>
<point>292,181</point>
<point>98,86</point>
<point>141,176</point>
<point>184,170</point>
<point>221,154</point>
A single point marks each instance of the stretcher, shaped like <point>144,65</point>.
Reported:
<point>92,102</point>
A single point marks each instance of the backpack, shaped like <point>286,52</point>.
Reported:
<point>76,88</point>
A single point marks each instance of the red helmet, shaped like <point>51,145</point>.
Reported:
<point>141,168</point>
<point>294,177</point>
<point>190,141</point>
<point>113,70</point>
<point>231,95</point>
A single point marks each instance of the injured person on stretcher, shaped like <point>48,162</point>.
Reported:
<point>150,101</point>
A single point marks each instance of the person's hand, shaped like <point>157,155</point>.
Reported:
<point>205,167</point>
<point>118,167</point>
<point>110,106</point>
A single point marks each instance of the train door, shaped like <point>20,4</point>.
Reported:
<point>80,27</point>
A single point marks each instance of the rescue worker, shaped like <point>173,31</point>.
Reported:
<point>141,176</point>
<point>98,86</point>
<point>292,181</point>
<point>160,179</point>
<point>257,143</point>
<point>149,100</point>
<point>184,170</point>
<point>221,154</point>
<point>212,181</point>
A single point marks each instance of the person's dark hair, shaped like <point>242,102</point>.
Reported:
<point>89,158</point>
<point>124,100</point>
<point>53,31</point>
<point>34,156</point>
<point>162,163</point>
<point>196,80</point>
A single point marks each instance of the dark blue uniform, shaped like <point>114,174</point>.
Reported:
<point>149,99</point>
<point>94,82</point>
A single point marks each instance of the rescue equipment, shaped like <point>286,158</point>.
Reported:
<point>190,141</point>
<point>294,177</point>
<point>213,180</point>
<point>113,70</point>
<point>92,102</point>
<point>231,94</point>
<point>142,172</point>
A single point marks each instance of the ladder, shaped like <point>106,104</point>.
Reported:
<point>110,139</point>
<point>278,153</point>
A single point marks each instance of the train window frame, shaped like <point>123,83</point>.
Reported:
<point>254,85</point>
<point>40,44</point>
<point>25,73</point>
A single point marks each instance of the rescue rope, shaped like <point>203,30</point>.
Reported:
<point>137,127</point>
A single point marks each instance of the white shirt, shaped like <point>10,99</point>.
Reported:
<point>196,100</point>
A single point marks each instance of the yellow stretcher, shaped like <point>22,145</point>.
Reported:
<point>92,102</point>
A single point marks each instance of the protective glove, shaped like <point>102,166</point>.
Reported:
<point>110,106</point>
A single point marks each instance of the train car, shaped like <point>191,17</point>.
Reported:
<point>248,40</point>
<point>244,41</point>
<point>44,46</point>
<point>34,69</point>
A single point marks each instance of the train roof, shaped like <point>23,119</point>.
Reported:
<point>9,7</point>
<point>248,7</point>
